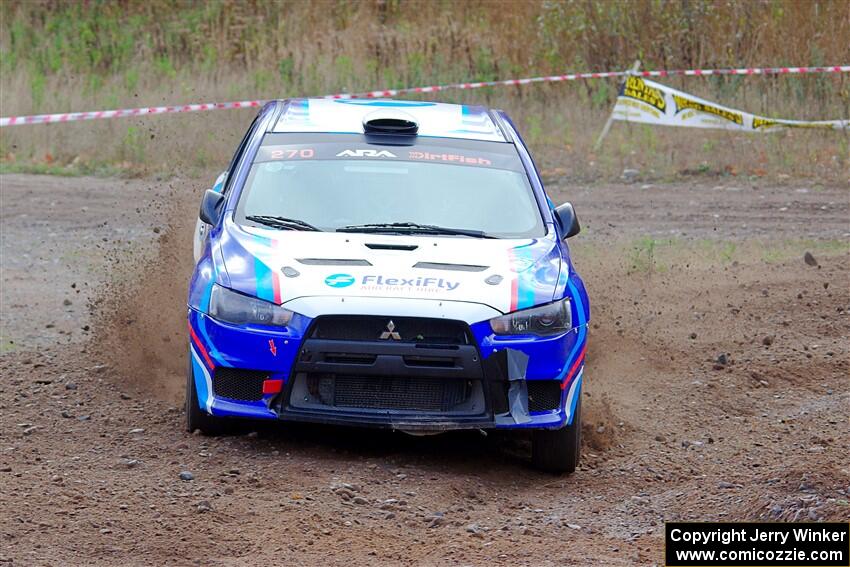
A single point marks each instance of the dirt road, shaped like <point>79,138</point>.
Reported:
<point>716,389</point>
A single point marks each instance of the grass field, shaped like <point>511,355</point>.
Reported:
<point>63,56</point>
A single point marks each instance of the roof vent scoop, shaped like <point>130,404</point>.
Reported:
<point>388,121</point>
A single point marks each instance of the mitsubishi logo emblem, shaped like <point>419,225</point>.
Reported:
<point>390,333</point>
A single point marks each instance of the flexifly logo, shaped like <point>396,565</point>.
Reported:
<point>366,153</point>
<point>395,284</point>
<point>418,284</point>
<point>339,280</point>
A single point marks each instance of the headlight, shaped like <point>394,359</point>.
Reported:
<point>232,307</point>
<point>552,319</point>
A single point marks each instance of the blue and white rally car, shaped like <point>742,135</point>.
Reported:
<point>387,263</point>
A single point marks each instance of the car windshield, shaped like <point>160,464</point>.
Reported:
<point>469,189</point>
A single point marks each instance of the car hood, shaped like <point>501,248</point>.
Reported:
<point>283,266</point>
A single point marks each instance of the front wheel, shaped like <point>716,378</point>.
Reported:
<point>196,418</point>
<point>558,450</point>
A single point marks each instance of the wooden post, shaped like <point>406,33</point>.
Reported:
<point>610,121</point>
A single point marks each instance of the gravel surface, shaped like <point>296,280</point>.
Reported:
<point>716,389</point>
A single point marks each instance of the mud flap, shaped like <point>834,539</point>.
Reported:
<point>510,365</point>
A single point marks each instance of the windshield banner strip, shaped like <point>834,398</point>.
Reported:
<point>373,152</point>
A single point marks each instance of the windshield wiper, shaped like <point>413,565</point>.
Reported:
<point>412,227</point>
<point>282,222</point>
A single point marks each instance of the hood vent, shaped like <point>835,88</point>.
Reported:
<point>450,267</point>
<point>405,247</point>
<point>333,262</point>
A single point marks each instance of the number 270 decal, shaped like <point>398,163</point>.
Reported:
<point>303,153</point>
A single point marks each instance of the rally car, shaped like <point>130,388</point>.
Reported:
<point>392,264</point>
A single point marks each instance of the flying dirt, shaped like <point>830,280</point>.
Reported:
<point>716,389</point>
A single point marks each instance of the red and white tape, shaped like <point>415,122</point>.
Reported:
<point>146,111</point>
<point>125,112</point>
<point>576,76</point>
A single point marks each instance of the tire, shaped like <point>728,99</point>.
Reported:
<point>558,450</point>
<point>196,418</point>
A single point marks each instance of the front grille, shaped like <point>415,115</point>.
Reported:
<point>349,358</point>
<point>238,384</point>
<point>543,395</point>
<point>421,330</point>
<point>387,393</point>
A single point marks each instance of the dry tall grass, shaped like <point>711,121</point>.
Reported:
<point>62,56</point>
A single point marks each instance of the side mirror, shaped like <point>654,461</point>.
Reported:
<point>568,220</point>
<point>211,207</point>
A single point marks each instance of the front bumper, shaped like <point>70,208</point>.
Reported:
<point>490,382</point>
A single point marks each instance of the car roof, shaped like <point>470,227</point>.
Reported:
<point>346,116</point>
